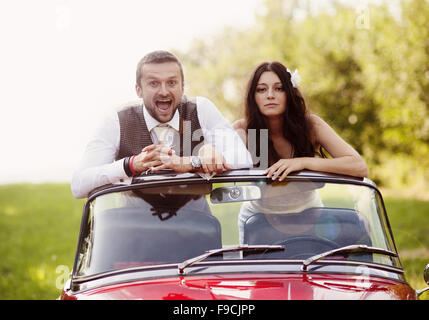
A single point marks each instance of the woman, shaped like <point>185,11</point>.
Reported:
<point>295,137</point>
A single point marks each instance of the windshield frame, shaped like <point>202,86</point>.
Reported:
<point>231,176</point>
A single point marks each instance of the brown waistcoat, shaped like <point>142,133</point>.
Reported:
<point>135,135</point>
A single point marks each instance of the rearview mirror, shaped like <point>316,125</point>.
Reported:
<point>426,274</point>
<point>426,277</point>
<point>235,194</point>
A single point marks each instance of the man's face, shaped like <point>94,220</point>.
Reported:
<point>161,88</point>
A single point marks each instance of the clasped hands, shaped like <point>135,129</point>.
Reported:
<point>157,157</point>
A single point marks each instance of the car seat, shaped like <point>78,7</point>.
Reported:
<point>128,236</point>
<point>338,226</point>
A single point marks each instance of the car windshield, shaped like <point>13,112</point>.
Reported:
<point>152,226</point>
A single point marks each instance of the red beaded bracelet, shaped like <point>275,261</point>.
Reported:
<point>131,165</point>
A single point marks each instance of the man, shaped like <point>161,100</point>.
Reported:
<point>169,131</point>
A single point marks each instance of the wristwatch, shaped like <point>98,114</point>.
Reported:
<point>195,162</point>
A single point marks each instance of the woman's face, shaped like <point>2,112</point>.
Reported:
<point>270,95</point>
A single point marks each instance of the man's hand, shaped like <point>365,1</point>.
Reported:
<point>163,157</point>
<point>160,157</point>
<point>212,160</point>
<point>151,156</point>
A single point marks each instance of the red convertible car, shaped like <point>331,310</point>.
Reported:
<point>238,235</point>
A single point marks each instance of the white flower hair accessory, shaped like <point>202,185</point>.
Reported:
<point>294,77</point>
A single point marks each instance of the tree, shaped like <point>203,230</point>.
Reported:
<point>371,84</point>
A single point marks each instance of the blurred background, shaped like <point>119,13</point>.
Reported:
<point>364,69</point>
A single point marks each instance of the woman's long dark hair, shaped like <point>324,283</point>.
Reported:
<point>296,125</point>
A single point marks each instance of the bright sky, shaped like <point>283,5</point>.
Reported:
<point>65,62</point>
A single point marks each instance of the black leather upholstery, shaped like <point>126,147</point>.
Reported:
<point>128,235</point>
<point>341,226</point>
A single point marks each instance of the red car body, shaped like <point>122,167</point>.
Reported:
<point>255,286</point>
<point>333,276</point>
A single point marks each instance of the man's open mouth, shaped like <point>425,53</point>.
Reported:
<point>164,105</point>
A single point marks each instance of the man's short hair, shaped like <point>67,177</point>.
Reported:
<point>158,56</point>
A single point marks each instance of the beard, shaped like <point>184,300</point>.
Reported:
<point>162,108</point>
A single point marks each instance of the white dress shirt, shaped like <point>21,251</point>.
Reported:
<point>98,166</point>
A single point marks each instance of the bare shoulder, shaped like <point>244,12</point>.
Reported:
<point>320,130</point>
<point>239,124</point>
<point>318,125</point>
<point>316,121</point>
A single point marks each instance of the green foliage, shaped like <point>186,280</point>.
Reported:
<point>39,229</point>
<point>410,226</point>
<point>370,83</point>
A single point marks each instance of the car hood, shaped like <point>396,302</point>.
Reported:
<point>255,287</point>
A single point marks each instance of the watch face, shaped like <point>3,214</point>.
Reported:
<point>196,162</point>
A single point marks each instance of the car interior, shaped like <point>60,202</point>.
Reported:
<point>306,233</point>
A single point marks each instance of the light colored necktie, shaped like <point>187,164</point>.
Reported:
<point>165,134</point>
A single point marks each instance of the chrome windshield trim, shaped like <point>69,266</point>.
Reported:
<point>239,175</point>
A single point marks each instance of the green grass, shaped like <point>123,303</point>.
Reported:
<point>39,225</point>
<point>409,220</point>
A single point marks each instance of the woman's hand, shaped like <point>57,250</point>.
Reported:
<point>283,167</point>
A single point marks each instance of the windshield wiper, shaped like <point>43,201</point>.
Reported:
<point>352,248</point>
<point>181,266</point>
